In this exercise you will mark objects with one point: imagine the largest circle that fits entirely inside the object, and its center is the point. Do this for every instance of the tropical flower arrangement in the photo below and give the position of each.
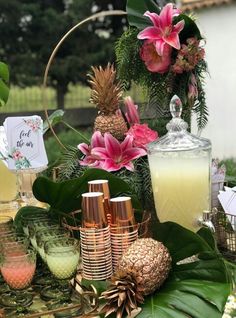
(162, 51)
(108, 153)
(200, 279)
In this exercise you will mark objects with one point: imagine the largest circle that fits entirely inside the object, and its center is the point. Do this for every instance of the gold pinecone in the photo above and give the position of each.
(105, 95)
(123, 295)
(151, 260)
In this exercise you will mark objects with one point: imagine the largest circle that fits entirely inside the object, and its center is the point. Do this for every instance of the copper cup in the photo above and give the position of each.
(122, 215)
(93, 213)
(102, 186)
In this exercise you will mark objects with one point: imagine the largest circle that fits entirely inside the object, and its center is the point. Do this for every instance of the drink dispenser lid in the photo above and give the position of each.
(177, 137)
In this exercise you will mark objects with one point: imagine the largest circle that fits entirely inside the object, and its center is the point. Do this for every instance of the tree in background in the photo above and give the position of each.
(29, 30)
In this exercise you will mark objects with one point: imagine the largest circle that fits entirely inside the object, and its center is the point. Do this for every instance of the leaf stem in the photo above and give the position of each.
(75, 130)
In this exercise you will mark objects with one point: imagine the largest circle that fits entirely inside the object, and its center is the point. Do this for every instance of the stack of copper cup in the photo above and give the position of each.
(102, 186)
(123, 227)
(95, 238)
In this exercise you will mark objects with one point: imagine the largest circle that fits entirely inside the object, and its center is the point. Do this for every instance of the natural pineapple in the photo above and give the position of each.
(151, 261)
(106, 94)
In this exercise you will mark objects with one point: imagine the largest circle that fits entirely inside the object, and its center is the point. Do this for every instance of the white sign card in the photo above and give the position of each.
(25, 143)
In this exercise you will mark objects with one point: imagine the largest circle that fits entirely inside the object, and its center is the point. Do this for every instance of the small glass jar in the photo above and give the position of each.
(180, 165)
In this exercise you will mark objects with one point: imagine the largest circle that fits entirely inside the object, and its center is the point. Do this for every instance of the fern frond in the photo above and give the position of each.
(69, 164)
(200, 108)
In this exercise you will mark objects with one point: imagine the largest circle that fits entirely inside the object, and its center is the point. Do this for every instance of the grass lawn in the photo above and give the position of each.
(31, 98)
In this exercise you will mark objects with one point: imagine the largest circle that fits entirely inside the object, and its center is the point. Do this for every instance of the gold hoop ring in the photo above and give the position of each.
(45, 77)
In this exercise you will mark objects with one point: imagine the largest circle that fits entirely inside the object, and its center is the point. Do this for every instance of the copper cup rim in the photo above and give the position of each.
(95, 242)
(93, 277)
(95, 235)
(99, 258)
(96, 253)
(93, 246)
(120, 236)
(114, 227)
(101, 272)
(94, 230)
(105, 260)
(123, 238)
(92, 194)
(120, 199)
(96, 250)
(99, 181)
(104, 264)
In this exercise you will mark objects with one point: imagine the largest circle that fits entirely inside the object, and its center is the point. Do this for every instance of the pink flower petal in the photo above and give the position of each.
(100, 153)
(166, 15)
(84, 148)
(129, 166)
(110, 165)
(152, 33)
(153, 17)
(113, 147)
(160, 46)
(97, 139)
(173, 40)
(178, 27)
(127, 143)
(133, 153)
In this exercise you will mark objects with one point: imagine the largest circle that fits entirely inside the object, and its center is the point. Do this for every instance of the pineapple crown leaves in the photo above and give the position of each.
(106, 89)
(123, 294)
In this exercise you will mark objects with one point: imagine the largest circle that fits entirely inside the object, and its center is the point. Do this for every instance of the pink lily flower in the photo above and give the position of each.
(163, 32)
(118, 155)
(97, 140)
(131, 114)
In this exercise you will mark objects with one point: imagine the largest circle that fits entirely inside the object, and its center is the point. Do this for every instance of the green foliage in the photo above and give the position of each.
(69, 138)
(190, 28)
(160, 87)
(230, 165)
(136, 9)
(200, 107)
(68, 164)
(130, 67)
(65, 196)
(195, 289)
(31, 29)
(4, 83)
(54, 118)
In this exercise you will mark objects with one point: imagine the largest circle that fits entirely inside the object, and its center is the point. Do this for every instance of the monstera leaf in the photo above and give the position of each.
(65, 196)
(135, 10)
(197, 289)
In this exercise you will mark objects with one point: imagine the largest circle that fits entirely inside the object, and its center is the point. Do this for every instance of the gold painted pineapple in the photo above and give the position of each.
(105, 95)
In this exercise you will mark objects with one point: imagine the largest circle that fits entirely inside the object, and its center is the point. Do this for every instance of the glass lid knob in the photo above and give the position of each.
(177, 124)
(176, 107)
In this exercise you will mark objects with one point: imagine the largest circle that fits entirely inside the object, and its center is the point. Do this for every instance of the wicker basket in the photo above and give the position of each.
(225, 234)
